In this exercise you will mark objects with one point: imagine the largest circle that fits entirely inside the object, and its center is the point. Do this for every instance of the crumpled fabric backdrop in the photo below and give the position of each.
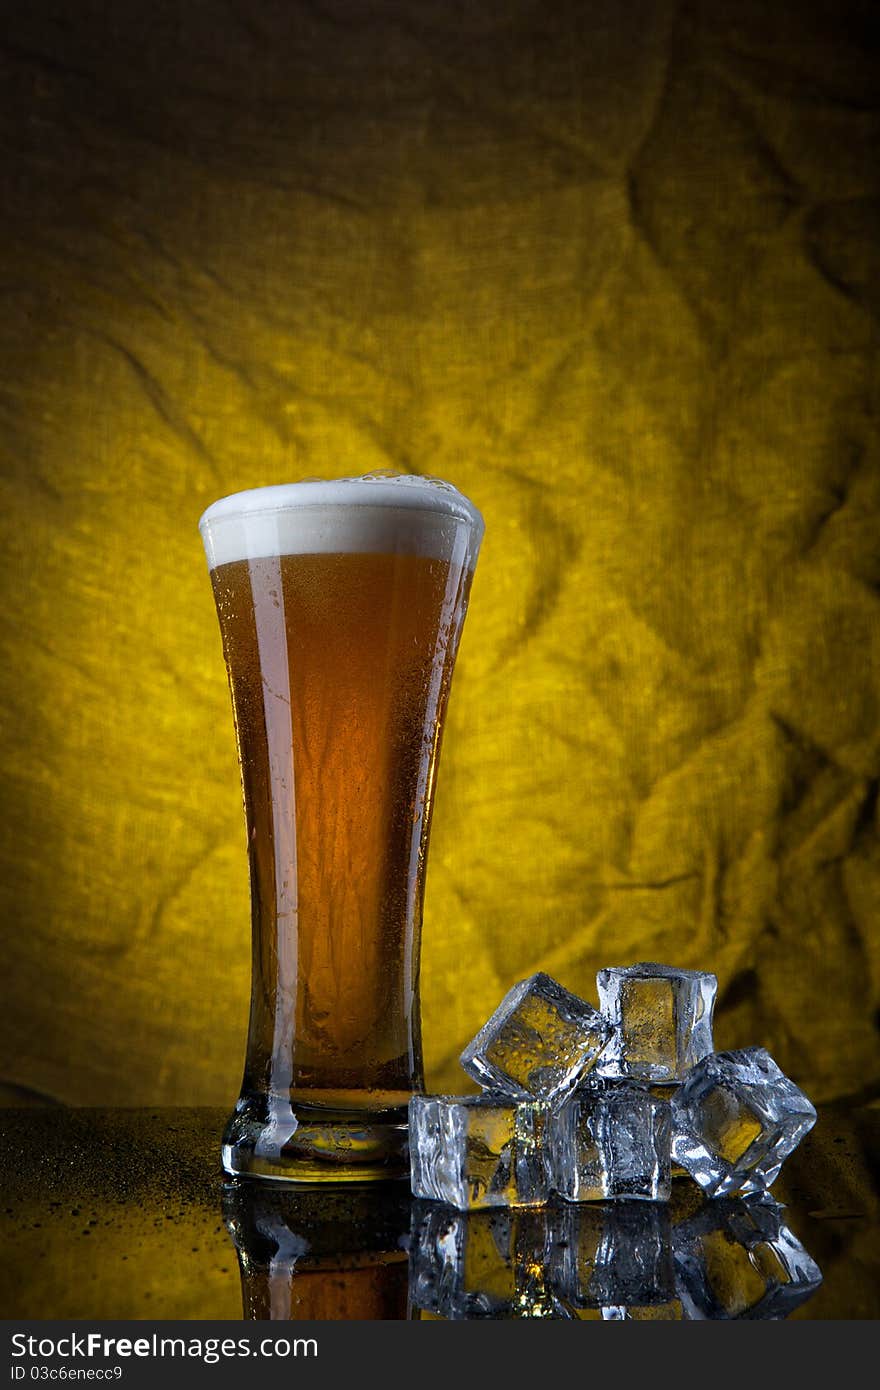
(613, 270)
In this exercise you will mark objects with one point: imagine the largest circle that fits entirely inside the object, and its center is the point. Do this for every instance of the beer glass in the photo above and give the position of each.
(340, 606)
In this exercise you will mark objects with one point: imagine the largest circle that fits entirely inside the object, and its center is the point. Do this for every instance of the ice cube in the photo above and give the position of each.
(738, 1259)
(611, 1140)
(615, 1254)
(540, 1041)
(480, 1264)
(477, 1151)
(662, 1019)
(735, 1119)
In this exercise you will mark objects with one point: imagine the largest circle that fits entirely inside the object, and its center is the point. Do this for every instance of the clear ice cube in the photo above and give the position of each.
(738, 1259)
(615, 1254)
(540, 1041)
(480, 1264)
(477, 1151)
(662, 1020)
(611, 1140)
(735, 1120)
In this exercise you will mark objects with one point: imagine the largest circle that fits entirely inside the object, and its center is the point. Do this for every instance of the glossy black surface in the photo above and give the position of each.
(122, 1214)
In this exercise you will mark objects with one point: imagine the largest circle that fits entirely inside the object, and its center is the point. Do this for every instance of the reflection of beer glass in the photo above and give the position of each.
(340, 607)
(319, 1253)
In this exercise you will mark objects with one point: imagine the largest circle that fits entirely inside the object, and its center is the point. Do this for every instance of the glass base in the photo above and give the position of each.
(311, 1145)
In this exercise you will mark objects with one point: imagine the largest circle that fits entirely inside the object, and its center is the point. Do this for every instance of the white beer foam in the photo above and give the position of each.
(375, 514)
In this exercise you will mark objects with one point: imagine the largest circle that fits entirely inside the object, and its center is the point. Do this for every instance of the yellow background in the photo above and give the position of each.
(612, 269)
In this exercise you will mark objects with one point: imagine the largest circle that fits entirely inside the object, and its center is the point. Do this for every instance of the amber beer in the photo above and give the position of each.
(340, 607)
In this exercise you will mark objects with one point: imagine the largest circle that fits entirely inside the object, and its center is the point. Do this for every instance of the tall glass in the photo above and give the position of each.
(341, 606)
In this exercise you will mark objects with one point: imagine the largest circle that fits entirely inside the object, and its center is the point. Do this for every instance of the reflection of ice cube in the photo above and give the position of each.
(735, 1120)
(738, 1259)
(611, 1140)
(481, 1264)
(662, 1019)
(655, 1312)
(615, 1254)
(539, 1042)
(477, 1151)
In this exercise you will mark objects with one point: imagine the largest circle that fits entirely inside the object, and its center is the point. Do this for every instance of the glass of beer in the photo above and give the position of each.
(341, 605)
